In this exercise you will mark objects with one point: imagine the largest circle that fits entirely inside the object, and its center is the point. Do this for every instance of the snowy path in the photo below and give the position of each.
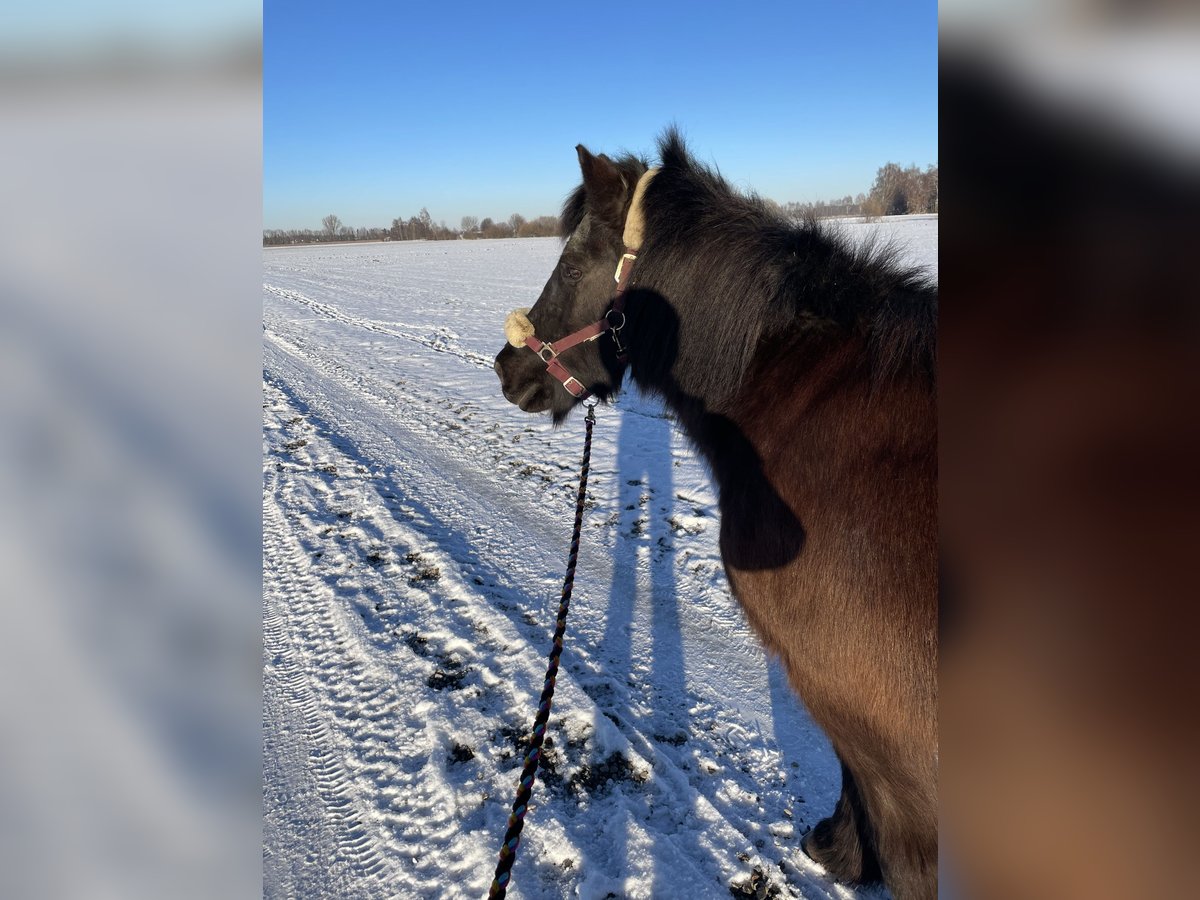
(415, 532)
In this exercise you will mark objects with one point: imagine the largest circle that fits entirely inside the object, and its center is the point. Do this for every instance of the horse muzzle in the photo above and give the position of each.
(523, 386)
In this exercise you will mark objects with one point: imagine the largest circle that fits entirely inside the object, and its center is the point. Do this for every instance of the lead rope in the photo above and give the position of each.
(516, 820)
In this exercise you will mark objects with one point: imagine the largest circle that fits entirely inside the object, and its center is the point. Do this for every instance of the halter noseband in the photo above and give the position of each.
(614, 319)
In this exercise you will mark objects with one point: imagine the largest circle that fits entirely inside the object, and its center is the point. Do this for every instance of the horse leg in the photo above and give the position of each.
(881, 828)
(903, 814)
(843, 842)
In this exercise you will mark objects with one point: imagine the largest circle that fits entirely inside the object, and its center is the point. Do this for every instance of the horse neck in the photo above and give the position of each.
(704, 319)
(688, 341)
(698, 334)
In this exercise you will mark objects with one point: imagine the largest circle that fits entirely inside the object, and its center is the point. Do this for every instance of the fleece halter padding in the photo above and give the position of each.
(635, 221)
(519, 331)
(517, 327)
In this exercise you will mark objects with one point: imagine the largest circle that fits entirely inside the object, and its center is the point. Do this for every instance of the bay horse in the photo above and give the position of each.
(802, 367)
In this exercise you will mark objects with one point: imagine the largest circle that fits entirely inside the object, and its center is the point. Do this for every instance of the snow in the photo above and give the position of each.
(415, 535)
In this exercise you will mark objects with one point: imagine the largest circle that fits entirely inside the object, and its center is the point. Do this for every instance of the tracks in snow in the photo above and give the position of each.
(438, 338)
(288, 579)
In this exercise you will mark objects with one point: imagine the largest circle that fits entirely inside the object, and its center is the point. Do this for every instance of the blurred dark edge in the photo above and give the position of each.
(130, 467)
(1070, 473)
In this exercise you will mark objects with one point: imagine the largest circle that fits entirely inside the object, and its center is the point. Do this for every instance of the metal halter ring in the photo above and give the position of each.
(546, 348)
(610, 322)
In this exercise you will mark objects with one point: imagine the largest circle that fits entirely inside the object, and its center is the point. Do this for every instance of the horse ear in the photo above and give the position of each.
(605, 186)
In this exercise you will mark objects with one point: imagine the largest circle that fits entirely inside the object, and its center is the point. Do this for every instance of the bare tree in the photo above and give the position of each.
(542, 226)
(470, 224)
(515, 221)
(426, 223)
(889, 193)
(332, 224)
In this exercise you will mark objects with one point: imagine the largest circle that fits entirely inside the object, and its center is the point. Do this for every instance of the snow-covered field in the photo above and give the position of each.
(415, 535)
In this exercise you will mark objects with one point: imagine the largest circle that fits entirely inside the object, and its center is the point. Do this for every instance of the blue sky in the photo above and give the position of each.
(373, 110)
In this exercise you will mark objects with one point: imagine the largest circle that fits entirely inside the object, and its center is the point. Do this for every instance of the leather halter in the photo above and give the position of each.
(613, 321)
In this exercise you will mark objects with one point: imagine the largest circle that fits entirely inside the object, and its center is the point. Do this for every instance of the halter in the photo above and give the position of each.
(614, 319)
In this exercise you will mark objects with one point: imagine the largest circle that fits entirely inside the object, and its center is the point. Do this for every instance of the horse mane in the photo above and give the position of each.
(746, 274)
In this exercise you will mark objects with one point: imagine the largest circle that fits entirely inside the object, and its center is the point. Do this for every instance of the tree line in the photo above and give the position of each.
(420, 227)
(896, 191)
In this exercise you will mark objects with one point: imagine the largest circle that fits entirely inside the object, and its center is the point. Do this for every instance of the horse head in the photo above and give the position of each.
(567, 346)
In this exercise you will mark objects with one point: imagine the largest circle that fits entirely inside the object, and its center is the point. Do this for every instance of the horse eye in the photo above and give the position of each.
(571, 273)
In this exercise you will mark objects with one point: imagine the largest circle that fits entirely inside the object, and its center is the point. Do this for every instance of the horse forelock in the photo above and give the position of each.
(573, 211)
(579, 235)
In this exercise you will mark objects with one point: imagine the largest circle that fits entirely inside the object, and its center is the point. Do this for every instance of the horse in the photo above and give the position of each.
(802, 367)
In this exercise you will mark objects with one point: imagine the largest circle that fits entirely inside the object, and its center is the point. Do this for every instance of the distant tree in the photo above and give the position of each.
(470, 225)
(332, 224)
(515, 221)
(889, 193)
(542, 226)
(930, 179)
(426, 222)
(915, 190)
(490, 228)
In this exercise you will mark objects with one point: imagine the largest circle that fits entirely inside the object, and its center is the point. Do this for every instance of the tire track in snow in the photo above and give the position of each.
(438, 338)
(289, 577)
(374, 714)
(451, 431)
(428, 834)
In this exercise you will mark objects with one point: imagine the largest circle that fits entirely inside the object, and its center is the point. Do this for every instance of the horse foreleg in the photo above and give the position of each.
(843, 843)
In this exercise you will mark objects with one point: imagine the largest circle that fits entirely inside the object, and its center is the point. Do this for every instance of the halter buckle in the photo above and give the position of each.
(622, 266)
(544, 349)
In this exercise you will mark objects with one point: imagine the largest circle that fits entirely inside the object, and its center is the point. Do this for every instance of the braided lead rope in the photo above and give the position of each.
(516, 820)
